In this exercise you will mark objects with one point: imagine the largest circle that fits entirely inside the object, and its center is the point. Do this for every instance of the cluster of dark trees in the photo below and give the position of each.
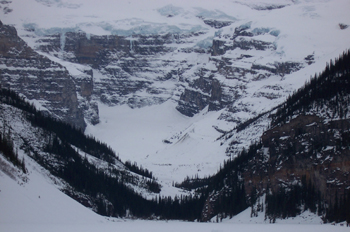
(192, 183)
(6, 143)
(339, 210)
(139, 170)
(331, 89)
(54, 127)
(180, 208)
(8, 151)
(111, 194)
(233, 198)
(290, 200)
(227, 187)
(73, 136)
(106, 189)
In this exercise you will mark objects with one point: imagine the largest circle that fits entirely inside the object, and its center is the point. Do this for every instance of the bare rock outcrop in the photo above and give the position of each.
(38, 78)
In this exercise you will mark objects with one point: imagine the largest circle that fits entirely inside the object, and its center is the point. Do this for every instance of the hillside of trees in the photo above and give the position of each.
(327, 95)
(106, 189)
(8, 151)
(330, 88)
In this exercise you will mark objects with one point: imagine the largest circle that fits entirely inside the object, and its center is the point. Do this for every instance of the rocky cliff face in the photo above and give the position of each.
(141, 69)
(126, 70)
(235, 71)
(204, 91)
(38, 78)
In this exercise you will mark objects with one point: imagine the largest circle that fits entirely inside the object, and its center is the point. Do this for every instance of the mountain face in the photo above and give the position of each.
(118, 65)
(236, 60)
(38, 78)
(221, 70)
(137, 70)
(302, 161)
(218, 60)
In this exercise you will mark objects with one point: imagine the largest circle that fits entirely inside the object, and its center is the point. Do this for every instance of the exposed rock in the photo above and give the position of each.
(191, 102)
(38, 78)
(343, 26)
(268, 7)
(99, 51)
(310, 59)
(204, 91)
(217, 24)
(86, 50)
(141, 70)
(250, 44)
(4, 6)
(285, 68)
(218, 48)
(124, 67)
(215, 101)
(227, 68)
(280, 69)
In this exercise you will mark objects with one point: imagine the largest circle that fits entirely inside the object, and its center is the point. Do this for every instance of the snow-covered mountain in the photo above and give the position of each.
(220, 63)
(162, 82)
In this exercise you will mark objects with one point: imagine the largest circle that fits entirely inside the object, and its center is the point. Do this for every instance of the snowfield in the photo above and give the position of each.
(162, 140)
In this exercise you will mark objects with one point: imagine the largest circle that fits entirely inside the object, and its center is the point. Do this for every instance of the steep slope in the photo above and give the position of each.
(302, 162)
(38, 78)
(81, 167)
(33, 199)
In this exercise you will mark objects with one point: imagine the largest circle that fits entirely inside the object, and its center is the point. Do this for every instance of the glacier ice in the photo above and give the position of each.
(170, 10)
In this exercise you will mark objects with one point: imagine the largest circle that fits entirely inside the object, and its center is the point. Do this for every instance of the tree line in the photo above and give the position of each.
(8, 151)
(106, 188)
(330, 88)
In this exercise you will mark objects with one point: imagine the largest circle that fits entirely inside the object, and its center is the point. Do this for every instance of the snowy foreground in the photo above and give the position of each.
(169, 227)
(33, 203)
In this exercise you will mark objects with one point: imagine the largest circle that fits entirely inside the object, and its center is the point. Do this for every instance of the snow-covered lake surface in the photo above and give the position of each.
(38, 206)
(172, 226)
